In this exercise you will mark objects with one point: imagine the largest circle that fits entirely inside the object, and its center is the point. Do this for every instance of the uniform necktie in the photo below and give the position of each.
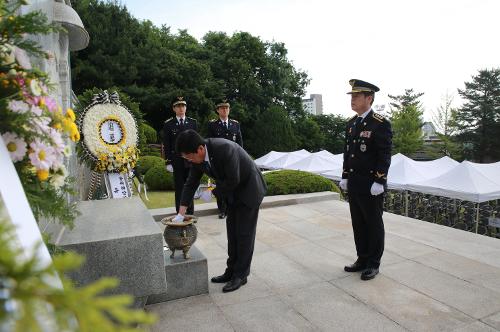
(181, 120)
(357, 124)
(225, 124)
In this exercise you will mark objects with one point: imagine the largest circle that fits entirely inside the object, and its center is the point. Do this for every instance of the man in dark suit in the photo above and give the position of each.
(228, 129)
(367, 157)
(171, 129)
(241, 182)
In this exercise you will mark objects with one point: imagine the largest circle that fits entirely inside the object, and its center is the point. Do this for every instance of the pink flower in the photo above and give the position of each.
(15, 145)
(51, 104)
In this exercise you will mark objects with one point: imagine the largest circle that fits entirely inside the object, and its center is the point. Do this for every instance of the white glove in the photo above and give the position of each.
(343, 184)
(206, 195)
(170, 168)
(178, 219)
(376, 189)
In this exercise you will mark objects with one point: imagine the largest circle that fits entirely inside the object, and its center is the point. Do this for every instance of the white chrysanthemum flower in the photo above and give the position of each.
(41, 125)
(57, 180)
(15, 145)
(37, 110)
(42, 156)
(35, 88)
(18, 106)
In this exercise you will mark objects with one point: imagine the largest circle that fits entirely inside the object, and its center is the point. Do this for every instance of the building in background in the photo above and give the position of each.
(313, 105)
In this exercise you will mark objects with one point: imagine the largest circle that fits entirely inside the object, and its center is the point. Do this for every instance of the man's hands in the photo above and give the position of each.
(343, 184)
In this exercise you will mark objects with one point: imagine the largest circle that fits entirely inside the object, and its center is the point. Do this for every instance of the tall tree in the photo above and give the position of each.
(407, 130)
(273, 131)
(442, 120)
(333, 129)
(409, 98)
(478, 120)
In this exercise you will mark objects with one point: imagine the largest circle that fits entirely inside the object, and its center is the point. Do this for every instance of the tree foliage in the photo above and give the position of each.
(407, 130)
(153, 65)
(478, 120)
(332, 127)
(409, 98)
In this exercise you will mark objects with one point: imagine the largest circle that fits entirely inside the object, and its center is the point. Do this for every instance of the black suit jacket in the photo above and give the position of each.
(367, 152)
(232, 133)
(237, 177)
(171, 130)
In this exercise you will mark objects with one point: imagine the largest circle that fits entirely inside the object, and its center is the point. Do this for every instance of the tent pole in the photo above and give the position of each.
(477, 216)
(406, 203)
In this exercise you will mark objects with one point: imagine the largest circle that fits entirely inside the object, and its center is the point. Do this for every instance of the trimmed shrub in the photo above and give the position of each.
(146, 162)
(158, 178)
(149, 133)
(296, 182)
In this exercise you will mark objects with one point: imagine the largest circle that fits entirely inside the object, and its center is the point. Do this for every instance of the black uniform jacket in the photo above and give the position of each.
(232, 133)
(367, 152)
(171, 129)
(238, 178)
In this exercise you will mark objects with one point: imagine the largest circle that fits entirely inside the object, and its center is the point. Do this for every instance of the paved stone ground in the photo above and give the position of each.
(432, 278)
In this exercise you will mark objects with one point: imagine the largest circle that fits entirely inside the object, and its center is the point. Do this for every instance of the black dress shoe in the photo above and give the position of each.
(222, 215)
(221, 279)
(356, 267)
(234, 284)
(369, 273)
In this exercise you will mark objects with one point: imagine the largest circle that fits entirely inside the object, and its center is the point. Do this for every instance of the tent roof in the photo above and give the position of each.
(313, 163)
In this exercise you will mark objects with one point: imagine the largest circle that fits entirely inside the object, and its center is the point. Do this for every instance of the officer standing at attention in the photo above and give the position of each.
(367, 157)
(229, 129)
(171, 129)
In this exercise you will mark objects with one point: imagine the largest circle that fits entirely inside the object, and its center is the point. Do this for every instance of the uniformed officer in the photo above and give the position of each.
(224, 127)
(171, 130)
(367, 157)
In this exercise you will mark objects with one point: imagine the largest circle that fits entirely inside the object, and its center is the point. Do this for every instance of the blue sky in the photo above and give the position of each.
(429, 45)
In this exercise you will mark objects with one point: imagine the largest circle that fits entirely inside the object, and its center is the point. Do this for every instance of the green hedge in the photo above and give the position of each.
(157, 178)
(149, 132)
(295, 182)
(146, 162)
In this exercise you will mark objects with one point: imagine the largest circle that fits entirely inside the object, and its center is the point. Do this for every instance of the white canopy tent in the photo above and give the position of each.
(267, 158)
(287, 159)
(466, 181)
(314, 163)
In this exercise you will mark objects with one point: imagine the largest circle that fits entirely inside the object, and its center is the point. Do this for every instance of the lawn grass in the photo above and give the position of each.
(162, 199)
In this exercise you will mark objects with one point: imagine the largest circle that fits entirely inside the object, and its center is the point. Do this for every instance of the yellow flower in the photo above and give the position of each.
(67, 125)
(70, 114)
(57, 126)
(42, 174)
(74, 134)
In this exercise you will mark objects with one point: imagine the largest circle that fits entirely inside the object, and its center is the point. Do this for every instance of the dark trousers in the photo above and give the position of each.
(221, 202)
(368, 227)
(181, 174)
(241, 224)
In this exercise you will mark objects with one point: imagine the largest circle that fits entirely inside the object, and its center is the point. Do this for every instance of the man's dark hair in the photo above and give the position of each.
(188, 142)
(371, 93)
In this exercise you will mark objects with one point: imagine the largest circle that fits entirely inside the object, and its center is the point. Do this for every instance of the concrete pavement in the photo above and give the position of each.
(432, 278)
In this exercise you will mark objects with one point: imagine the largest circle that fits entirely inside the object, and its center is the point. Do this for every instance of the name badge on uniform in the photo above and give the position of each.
(362, 147)
(365, 133)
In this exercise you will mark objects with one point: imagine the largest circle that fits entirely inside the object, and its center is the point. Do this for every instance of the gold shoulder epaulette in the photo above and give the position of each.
(213, 120)
(378, 117)
(233, 120)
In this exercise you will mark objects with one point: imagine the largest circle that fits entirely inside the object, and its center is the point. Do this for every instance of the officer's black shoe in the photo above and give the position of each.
(369, 273)
(356, 267)
(234, 284)
(221, 279)
(222, 215)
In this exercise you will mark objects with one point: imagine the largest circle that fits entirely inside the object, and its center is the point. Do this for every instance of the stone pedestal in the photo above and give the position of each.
(119, 238)
(185, 277)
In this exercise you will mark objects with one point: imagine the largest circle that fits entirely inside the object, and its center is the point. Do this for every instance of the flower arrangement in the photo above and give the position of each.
(121, 159)
(110, 135)
(34, 128)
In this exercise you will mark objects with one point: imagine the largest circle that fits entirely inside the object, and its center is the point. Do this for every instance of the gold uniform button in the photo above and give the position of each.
(352, 155)
(351, 170)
